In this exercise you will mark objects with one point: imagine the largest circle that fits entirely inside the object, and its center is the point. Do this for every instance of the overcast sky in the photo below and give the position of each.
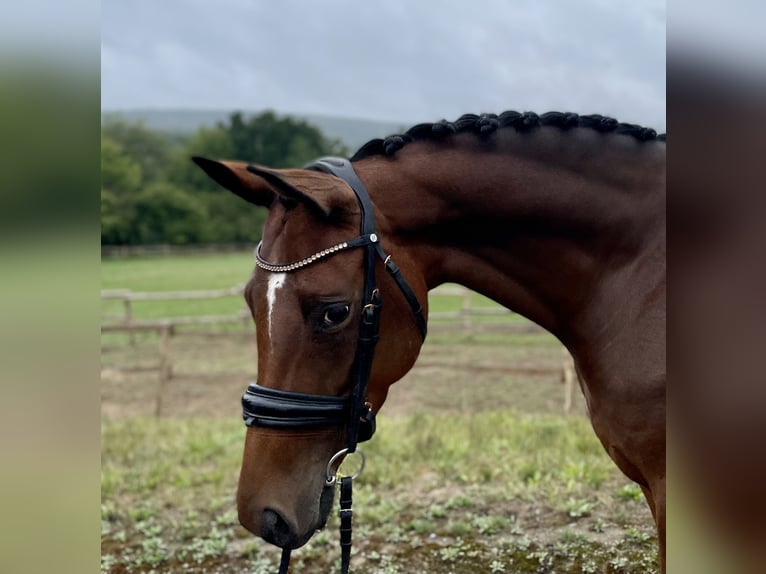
(396, 60)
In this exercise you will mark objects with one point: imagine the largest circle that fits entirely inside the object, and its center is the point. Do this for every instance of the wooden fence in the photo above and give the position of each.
(126, 322)
(462, 320)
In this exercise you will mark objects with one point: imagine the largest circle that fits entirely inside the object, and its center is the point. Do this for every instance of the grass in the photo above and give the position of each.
(176, 273)
(470, 491)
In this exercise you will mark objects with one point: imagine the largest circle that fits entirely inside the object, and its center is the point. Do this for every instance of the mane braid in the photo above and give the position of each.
(486, 124)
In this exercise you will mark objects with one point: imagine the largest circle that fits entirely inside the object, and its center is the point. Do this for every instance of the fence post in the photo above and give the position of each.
(129, 318)
(166, 369)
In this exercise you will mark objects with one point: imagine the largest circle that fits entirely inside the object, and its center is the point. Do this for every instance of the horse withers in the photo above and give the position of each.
(558, 217)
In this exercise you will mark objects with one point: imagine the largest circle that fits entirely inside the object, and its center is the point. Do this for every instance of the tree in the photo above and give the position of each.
(278, 142)
(148, 148)
(120, 181)
(167, 214)
(266, 139)
(119, 172)
(208, 142)
(151, 192)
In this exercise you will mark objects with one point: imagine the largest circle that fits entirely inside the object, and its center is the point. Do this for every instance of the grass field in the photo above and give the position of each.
(473, 468)
(177, 273)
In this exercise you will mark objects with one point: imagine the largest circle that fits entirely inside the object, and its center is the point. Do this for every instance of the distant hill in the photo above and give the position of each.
(352, 132)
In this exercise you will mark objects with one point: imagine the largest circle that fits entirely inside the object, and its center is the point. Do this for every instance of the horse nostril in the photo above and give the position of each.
(276, 530)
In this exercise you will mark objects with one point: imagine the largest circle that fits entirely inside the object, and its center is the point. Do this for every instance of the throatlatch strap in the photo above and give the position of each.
(409, 294)
(346, 512)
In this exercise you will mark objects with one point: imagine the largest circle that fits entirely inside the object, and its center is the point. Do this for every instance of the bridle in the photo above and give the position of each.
(288, 410)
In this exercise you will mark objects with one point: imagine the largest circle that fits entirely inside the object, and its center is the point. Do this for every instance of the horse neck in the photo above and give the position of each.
(543, 228)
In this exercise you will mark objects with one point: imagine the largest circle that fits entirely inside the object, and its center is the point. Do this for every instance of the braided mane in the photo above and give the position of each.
(485, 124)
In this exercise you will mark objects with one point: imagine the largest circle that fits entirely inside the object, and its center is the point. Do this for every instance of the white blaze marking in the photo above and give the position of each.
(276, 280)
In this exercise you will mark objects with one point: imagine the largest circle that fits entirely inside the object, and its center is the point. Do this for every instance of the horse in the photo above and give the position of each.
(559, 217)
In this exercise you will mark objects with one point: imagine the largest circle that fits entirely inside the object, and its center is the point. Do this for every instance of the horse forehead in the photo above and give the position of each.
(288, 232)
(274, 293)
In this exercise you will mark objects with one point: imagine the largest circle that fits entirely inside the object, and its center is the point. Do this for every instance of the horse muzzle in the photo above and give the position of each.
(277, 528)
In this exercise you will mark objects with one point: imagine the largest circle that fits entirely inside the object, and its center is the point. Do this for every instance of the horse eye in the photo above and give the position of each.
(335, 315)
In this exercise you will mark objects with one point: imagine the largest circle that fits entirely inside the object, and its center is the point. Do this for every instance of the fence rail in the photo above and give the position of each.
(461, 320)
(126, 322)
(128, 295)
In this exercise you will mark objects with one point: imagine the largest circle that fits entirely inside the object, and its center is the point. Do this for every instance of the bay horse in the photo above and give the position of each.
(559, 217)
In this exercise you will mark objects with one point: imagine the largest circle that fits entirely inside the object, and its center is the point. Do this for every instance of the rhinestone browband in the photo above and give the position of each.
(316, 257)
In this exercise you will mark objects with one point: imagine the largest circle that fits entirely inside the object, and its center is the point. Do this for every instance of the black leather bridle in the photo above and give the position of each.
(288, 410)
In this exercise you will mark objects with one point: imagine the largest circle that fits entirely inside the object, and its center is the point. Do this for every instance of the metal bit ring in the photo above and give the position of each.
(331, 477)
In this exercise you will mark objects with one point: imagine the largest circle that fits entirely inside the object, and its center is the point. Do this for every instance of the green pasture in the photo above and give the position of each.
(193, 272)
(500, 492)
(176, 272)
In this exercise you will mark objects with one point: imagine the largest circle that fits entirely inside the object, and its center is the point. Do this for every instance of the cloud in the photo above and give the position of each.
(395, 60)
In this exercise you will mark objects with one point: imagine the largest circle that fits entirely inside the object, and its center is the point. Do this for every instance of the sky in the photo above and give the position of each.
(405, 61)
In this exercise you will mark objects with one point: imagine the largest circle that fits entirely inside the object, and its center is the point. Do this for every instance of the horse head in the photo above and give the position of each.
(307, 315)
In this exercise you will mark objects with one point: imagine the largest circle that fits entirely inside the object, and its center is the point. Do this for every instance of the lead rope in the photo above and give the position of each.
(345, 513)
(284, 562)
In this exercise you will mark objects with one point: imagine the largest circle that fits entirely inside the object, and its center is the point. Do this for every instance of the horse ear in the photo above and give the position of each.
(323, 194)
(233, 175)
